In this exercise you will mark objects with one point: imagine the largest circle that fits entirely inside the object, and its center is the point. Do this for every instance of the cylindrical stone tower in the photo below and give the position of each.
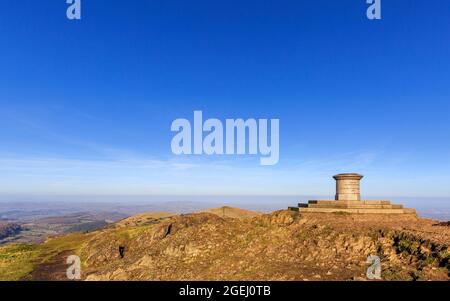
(347, 187)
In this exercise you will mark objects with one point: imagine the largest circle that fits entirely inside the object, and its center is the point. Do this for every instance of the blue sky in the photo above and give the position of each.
(86, 106)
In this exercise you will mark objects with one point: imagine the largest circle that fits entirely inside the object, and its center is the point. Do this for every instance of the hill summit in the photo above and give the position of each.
(242, 245)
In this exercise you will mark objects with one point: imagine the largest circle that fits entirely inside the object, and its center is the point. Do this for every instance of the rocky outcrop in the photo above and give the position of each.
(283, 245)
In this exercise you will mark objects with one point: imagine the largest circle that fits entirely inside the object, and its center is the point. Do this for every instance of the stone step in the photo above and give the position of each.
(366, 202)
(396, 206)
(354, 210)
(355, 206)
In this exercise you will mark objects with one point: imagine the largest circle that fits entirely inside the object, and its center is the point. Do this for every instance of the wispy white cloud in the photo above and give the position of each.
(125, 172)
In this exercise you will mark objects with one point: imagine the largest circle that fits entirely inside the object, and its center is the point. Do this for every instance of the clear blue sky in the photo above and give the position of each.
(86, 106)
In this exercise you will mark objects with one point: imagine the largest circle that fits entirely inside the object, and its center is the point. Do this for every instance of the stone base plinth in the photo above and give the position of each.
(375, 207)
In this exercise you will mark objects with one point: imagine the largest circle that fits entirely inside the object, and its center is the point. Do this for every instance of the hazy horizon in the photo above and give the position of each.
(283, 200)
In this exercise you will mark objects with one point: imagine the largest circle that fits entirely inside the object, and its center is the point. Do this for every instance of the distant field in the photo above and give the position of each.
(9, 229)
(36, 231)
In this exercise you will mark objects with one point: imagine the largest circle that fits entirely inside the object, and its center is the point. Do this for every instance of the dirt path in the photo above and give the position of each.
(54, 270)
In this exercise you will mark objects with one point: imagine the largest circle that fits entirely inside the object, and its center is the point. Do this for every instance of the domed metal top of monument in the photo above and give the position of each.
(342, 176)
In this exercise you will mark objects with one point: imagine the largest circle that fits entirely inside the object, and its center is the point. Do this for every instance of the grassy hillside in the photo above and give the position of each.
(17, 261)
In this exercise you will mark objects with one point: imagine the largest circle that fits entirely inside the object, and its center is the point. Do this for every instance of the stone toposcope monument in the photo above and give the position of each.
(348, 199)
